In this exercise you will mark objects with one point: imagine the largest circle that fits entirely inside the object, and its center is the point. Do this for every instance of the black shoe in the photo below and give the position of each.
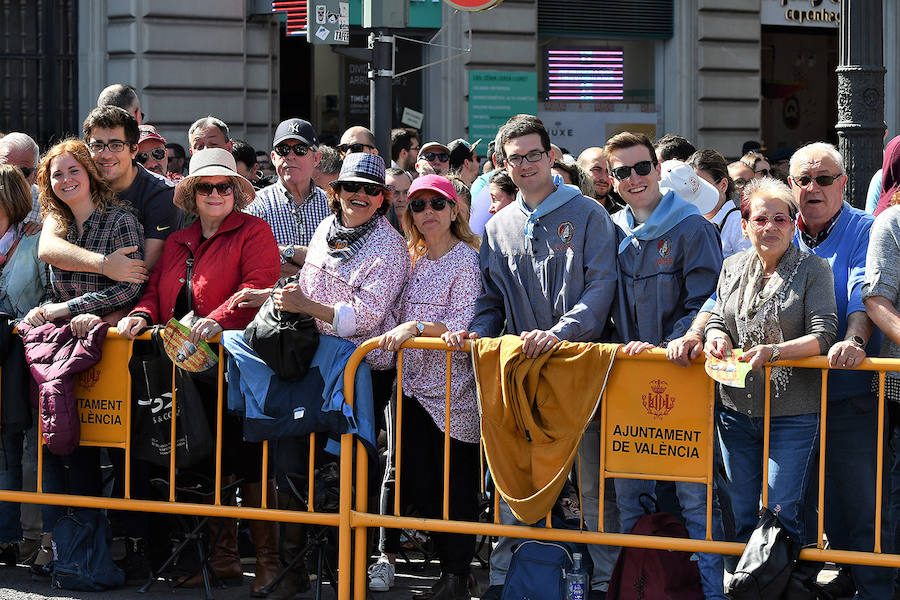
(842, 586)
(493, 593)
(9, 554)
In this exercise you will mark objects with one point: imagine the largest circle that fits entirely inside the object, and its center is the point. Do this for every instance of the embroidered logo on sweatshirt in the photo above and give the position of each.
(566, 232)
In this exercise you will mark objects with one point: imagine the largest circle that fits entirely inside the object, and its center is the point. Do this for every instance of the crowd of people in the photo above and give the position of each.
(649, 245)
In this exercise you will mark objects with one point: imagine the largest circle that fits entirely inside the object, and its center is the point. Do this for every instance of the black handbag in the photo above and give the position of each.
(765, 567)
(151, 397)
(285, 341)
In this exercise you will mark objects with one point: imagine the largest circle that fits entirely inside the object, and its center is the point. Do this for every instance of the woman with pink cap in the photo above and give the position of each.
(439, 296)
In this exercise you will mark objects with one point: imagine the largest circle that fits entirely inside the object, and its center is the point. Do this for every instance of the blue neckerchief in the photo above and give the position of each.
(671, 210)
(557, 198)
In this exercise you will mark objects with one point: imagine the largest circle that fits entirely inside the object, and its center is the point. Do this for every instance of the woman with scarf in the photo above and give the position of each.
(774, 303)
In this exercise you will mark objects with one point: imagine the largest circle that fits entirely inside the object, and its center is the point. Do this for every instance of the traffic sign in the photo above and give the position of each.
(473, 5)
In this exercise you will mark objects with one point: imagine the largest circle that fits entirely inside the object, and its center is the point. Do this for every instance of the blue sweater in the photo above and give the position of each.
(845, 250)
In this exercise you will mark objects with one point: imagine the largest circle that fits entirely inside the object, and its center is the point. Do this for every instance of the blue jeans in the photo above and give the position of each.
(692, 497)
(850, 457)
(792, 451)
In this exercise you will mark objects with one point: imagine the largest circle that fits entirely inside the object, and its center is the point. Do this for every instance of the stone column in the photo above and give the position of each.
(860, 74)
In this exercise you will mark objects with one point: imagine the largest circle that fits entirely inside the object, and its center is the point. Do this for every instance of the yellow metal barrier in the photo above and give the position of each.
(644, 388)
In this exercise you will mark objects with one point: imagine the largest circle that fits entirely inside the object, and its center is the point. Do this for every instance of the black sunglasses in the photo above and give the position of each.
(821, 180)
(206, 189)
(431, 156)
(26, 171)
(156, 153)
(298, 149)
(356, 147)
(371, 189)
(642, 168)
(763, 172)
(437, 203)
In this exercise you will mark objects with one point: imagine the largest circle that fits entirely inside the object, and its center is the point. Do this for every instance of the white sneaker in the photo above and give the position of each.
(381, 575)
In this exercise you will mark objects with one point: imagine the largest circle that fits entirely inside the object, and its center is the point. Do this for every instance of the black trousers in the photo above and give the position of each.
(422, 482)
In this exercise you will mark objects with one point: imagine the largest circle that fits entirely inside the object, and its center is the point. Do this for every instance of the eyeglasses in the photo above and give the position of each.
(821, 180)
(114, 146)
(780, 220)
(26, 171)
(298, 149)
(516, 160)
(156, 153)
(206, 189)
(763, 172)
(371, 189)
(355, 147)
(642, 168)
(741, 182)
(414, 150)
(438, 203)
(432, 156)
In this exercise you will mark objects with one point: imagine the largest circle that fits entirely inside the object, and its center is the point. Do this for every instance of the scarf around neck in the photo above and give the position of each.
(345, 242)
(670, 211)
(559, 197)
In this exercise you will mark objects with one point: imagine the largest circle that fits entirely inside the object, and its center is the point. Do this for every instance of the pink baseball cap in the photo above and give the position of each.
(435, 183)
(148, 132)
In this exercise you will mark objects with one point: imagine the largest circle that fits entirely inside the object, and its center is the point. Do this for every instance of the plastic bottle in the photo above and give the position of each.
(576, 580)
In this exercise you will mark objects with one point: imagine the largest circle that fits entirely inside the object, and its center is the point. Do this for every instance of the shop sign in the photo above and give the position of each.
(801, 13)
(656, 421)
(495, 96)
(102, 395)
(473, 5)
(329, 22)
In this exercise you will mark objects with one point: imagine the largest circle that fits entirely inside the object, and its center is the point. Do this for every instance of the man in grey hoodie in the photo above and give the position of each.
(548, 265)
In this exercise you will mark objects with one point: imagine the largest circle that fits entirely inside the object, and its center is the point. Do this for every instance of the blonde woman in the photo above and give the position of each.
(439, 296)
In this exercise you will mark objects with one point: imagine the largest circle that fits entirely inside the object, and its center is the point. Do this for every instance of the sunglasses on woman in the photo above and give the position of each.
(371, 189)
(779, 220)
(438, 203)
(206, 189)
(156, 153)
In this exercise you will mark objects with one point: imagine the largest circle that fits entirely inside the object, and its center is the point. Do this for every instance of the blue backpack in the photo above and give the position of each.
(537, 570)
(81, 558)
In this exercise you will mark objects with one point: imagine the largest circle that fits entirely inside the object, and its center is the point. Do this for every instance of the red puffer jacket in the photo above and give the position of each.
(54, 357)
(241, 254)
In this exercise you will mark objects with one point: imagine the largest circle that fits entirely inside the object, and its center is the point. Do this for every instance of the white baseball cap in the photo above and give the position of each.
(684, 181)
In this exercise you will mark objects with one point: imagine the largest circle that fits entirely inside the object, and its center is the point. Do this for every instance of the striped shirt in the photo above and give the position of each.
(293, 224)
(92, 293)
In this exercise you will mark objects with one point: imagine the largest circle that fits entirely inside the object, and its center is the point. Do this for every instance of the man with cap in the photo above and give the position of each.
(357, 139)
(463, 161)
(152, 151)
(433, 159)
(293, 206)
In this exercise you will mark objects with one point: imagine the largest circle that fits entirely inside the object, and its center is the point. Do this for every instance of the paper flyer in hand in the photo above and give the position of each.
(188, 356)
(728, 371)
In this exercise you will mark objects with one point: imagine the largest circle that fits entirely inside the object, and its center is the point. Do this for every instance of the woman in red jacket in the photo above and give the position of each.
(227, 251)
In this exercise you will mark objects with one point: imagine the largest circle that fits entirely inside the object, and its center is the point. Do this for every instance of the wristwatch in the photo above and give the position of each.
(776, 354)
(858, 341)
(288, 254)
(420, 328)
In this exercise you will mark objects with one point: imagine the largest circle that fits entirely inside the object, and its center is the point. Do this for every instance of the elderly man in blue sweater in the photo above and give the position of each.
(669, 260)
(829, 227)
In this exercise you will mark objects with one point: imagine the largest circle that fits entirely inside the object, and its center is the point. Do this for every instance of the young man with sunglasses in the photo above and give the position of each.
(832, 229)
(548, 264)
(293, 206)
(669, 260)
(112, 136)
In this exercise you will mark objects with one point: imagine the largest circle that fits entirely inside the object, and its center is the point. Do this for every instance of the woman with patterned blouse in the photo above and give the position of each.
(440, 296)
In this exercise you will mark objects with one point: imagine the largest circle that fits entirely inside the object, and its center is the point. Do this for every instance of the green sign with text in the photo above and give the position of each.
(425, 14)
(495, 96)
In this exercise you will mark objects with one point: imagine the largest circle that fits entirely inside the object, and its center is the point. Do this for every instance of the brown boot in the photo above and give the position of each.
(225, 561)
(265, 539)
(293, 540)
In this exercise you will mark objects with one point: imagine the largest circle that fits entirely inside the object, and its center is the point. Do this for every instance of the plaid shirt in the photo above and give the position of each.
(293, 224)
(812, 241)
(91, 293)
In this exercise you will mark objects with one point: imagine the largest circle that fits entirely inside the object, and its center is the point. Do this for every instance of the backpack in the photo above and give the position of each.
(537, 570)
(648, 574)
(81, 558)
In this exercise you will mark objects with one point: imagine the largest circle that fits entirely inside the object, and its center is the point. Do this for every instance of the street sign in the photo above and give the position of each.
(473, 5)
(329, 22)
(495, 96)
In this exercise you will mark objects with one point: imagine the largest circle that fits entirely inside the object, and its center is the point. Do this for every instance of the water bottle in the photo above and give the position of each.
(576, 580)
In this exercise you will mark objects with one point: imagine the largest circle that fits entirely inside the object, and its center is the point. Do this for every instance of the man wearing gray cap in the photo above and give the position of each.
(293, 206)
